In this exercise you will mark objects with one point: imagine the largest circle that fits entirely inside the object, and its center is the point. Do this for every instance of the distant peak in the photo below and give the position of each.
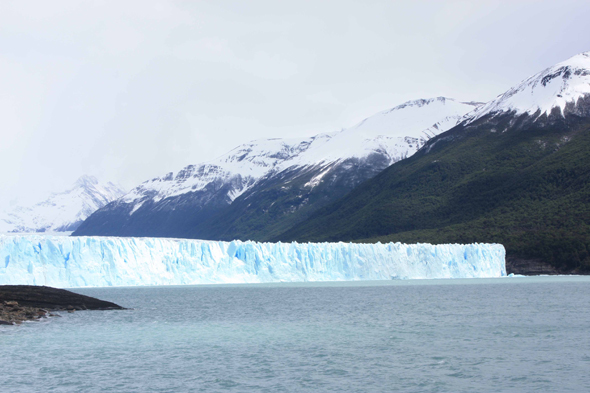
(421, 102)
(555, 87)
(584, 57)
(86, 180)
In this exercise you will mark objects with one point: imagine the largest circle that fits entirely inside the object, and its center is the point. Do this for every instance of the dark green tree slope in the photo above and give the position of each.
(280, 201)
(520, 181)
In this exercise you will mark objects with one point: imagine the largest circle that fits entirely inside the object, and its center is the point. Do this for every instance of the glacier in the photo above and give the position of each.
(112, 261)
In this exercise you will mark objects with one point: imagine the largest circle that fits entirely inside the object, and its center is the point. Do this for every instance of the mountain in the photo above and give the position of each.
(266, 186)
(514, 171)
(61, 212)
(556, 90)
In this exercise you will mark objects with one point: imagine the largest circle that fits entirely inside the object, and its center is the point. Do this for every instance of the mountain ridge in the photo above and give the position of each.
(192, 202)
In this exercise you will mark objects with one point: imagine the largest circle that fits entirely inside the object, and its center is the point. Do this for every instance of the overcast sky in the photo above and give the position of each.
(129, 90)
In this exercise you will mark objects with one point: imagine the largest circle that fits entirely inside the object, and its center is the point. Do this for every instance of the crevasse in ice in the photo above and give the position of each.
(111, 261)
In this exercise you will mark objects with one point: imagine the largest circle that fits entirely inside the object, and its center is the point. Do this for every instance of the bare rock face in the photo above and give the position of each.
(20, 303)
(530, 267)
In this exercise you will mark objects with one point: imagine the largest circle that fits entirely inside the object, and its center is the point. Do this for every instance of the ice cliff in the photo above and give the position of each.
(112, 261)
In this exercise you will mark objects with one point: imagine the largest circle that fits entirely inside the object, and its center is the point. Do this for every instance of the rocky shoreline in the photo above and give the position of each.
(533, 267)
(19, 303)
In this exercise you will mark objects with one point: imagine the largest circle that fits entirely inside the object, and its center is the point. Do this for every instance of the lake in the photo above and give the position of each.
(513, 334)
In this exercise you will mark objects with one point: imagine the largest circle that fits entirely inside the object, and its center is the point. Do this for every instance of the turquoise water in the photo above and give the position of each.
(479, 335)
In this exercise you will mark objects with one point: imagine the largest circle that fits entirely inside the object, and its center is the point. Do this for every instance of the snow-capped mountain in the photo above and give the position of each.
(61, 212)
(514, 172)
(396, 133)
(557, 88)
(177, 203)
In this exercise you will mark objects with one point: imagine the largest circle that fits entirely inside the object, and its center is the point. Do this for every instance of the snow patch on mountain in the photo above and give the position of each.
(554, 87)
(61, 212)
(397, 133)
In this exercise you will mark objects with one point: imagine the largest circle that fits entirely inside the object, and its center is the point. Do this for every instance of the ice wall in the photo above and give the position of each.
(111, 261)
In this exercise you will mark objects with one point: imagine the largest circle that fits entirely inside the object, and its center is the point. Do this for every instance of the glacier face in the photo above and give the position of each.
(111, 261)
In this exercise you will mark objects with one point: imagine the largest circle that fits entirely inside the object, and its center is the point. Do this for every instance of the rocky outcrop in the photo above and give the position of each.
(530, 267)
(20, 303)
(13, 313)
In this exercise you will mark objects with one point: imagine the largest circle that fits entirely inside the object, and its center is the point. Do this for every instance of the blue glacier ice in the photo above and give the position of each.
(111, 261)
